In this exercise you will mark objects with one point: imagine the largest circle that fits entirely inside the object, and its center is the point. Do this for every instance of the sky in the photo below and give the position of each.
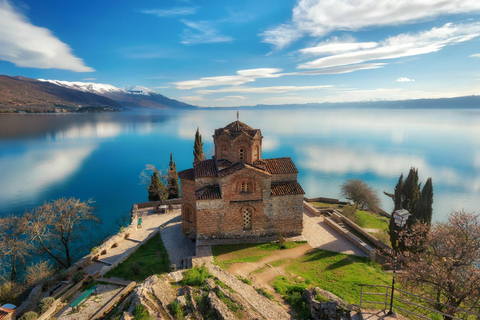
(236, 53)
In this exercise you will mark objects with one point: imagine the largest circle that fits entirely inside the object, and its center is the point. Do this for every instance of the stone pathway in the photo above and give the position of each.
(177, 246)
(320, 235)
(150, 223)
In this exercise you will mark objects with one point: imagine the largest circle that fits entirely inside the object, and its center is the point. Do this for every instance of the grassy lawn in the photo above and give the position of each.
(336, 272)
(247, 252)
(366, 219)
(151, 258)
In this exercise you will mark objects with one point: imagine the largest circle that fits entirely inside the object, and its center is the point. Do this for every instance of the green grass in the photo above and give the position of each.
(248, 252)
(366, 219)
(338, 273)
(195, 276)
(151, 258)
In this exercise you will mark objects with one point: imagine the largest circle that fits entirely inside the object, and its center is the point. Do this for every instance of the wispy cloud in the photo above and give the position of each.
(404, 79)
(317, 18)
(335, 46)
(275, 89)
(242, 76)
(171, 12)
(403, 45)
(202, 32)
(27, 45)
(339, 70)
(476, 55)
(89, 79)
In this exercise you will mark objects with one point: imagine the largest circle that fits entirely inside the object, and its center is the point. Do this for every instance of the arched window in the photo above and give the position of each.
(246, 187)
(257, 153)
(247, 218)
(241, 154)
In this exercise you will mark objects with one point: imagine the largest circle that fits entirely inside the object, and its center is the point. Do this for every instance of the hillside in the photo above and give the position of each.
(31, 95)
(129, 97)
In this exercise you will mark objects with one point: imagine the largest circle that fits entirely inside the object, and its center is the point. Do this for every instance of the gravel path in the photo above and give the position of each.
(320, 235)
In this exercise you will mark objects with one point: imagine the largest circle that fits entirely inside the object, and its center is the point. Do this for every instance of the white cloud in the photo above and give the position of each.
(404, 79)
(26, 45)
(320, 17)
(339, 70)
(403, 45)
(275, 89)
(242, 76)
(281, 36)
(202, 32)
(335, 46)
(194, 98)
(171, 12)
(476, 55)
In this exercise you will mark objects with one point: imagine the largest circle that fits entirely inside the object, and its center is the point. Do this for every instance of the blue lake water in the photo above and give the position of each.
(100, 156)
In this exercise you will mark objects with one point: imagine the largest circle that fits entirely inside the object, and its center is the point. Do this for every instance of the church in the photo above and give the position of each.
(239, 194)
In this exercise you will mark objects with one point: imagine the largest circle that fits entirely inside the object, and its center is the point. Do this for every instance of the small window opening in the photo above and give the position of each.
(247, 218)
(246, 187)
(241, 154)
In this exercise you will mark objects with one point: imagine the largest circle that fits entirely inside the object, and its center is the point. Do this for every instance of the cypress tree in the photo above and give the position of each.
(156, 188)
(198, 147)
(173, 188)
(411, 190)
(424, 208)
(419, 204)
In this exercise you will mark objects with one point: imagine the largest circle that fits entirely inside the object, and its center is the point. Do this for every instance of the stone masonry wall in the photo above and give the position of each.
(287, 213)
(188, 198)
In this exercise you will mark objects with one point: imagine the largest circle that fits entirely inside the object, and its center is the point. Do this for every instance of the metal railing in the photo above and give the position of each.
(405, 296)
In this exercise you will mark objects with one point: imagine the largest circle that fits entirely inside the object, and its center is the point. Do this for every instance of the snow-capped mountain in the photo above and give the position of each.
(132, 96)
(98, 88)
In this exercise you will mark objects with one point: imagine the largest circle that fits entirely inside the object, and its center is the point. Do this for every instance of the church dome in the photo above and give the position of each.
(235, 128)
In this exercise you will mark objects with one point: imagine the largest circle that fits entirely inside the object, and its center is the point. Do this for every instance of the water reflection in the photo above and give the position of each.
(44, 157)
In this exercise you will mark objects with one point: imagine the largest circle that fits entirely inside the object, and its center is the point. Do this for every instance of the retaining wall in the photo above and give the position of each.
(352, 238)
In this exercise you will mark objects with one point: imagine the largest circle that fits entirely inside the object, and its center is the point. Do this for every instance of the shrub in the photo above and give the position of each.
(78, 276)
(45, 304)
(140, 312)
(196, 276)
(31, 315)
(176, 310)
(94, 251)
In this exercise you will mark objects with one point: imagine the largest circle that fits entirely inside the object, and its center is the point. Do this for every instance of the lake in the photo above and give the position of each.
(100, 156)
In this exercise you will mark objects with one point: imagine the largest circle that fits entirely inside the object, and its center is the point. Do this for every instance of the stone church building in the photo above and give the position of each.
(237, 193)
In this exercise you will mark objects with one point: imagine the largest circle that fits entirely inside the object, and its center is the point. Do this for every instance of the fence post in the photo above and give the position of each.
(361, 296)
(386, 297)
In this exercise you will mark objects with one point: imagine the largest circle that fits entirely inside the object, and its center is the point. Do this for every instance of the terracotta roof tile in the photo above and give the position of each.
(235, 128)
(205, 168)
(224, 163)
(238, 166)
(286, 188)
(188, 174)
(5, 313)
(280, 165)
(208, 193)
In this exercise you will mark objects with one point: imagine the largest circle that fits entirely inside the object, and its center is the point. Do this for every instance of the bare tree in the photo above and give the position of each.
(60, 228)
(361, 194)
(444, 261)
(16, 246)
(37, 272)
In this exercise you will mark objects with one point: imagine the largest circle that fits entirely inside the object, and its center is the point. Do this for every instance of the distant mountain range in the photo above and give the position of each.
(32, 95)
